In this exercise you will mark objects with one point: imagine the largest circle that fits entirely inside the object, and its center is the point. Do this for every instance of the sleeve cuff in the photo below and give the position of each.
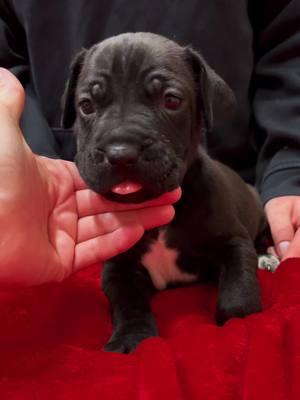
(280, 182)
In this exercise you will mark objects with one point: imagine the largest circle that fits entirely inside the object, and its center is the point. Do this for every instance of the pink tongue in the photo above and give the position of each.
(126, 188)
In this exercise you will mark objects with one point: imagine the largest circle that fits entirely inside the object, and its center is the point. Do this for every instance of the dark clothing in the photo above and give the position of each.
(254, 45)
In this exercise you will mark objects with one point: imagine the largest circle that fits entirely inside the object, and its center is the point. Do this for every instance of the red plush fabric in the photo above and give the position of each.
(51, 339)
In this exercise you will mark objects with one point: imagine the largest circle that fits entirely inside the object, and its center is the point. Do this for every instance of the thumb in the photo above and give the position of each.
(14, 151)
(12, 143)
(11, 95)
(279, 218)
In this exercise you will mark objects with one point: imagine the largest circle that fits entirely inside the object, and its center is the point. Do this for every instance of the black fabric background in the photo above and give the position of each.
(254, 46)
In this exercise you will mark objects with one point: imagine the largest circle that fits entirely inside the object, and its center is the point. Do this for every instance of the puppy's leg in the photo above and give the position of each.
(129, 289)
(238, 294)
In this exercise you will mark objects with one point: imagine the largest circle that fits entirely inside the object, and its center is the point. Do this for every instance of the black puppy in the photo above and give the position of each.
(139, 104)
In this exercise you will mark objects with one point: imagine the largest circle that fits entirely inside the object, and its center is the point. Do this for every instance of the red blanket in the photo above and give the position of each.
(51, 341)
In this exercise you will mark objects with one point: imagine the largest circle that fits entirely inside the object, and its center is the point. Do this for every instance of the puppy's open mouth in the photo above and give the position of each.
(131, 190)
(127, 187)
(127, 192)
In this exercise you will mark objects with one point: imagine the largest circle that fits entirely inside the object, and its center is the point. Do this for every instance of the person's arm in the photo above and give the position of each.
(13, 56)
(276, 111)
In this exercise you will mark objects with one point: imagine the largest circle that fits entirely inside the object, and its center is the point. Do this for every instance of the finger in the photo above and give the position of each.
(279, 218)
(295, 211)
(90, 203)
(271, 250)
(11, 94)
(79, 183)
(294, 247)
(97, 225)
(107, 246)
(15, 154)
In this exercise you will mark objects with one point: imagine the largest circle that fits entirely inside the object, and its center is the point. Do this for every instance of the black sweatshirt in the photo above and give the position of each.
(254, 45)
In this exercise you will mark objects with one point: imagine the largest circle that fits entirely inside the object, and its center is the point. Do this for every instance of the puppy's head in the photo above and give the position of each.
(138, 103)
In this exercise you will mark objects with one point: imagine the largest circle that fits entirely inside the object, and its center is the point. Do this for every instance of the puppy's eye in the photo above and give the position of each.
(172, 102)
(86, 107)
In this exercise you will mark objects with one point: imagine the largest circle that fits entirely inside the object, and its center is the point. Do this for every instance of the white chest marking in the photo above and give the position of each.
(160, 262)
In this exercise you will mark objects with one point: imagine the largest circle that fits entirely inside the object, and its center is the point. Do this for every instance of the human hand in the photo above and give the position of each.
(283, 214)
(51, 224)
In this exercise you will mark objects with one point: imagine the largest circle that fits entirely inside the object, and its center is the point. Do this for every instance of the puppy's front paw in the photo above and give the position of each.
(237, 307)
(126, 343)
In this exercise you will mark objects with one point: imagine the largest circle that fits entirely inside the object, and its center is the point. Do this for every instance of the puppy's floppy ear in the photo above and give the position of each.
(217, 100)
(68, 98)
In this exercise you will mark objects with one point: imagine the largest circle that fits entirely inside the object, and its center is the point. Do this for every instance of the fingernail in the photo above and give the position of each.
(283, 248)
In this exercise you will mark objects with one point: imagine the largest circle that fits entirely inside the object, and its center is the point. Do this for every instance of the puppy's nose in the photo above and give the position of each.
(121, 154)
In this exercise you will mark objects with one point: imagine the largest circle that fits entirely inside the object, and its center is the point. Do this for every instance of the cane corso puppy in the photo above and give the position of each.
(140, 106)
